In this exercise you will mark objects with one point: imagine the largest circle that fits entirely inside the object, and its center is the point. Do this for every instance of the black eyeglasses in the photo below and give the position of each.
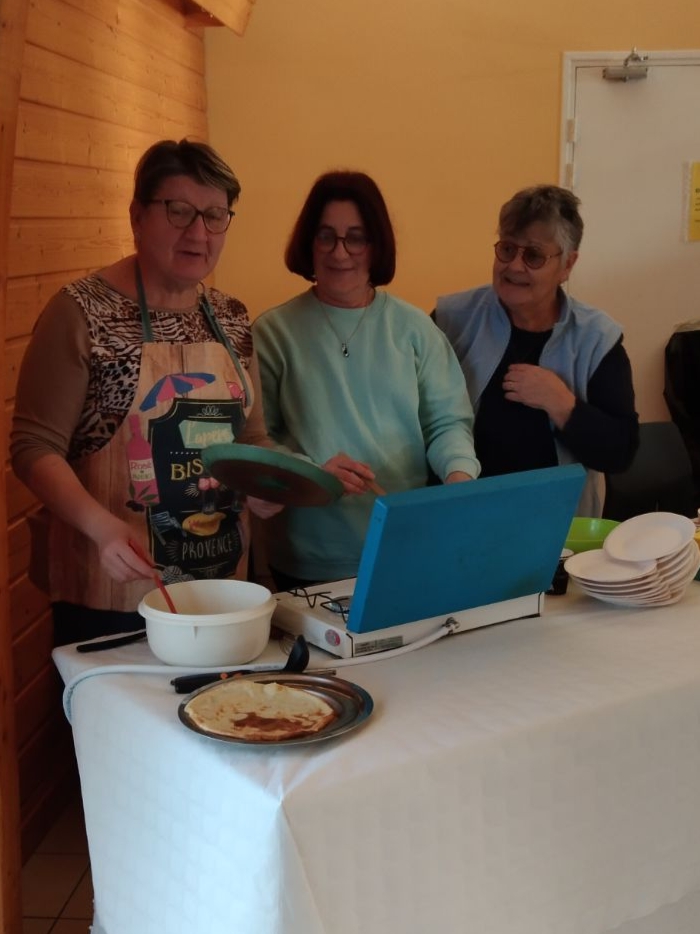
(182, 214)
(506, 251)
(354, 241)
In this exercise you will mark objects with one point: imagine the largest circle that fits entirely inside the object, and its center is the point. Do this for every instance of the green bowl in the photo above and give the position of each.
(586, 534)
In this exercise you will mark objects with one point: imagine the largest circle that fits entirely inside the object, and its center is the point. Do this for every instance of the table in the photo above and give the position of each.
(541, 776)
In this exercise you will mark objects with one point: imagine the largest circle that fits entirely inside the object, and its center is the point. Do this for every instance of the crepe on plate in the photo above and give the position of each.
(258, 711)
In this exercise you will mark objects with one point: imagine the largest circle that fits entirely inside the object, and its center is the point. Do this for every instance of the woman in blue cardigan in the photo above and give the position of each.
(548, 376)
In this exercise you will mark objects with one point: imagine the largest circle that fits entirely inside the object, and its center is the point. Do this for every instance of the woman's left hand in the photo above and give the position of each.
(263, 508)
(539, 388)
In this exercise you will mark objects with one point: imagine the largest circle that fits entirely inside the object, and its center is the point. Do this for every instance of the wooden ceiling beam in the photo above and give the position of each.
(234, 14)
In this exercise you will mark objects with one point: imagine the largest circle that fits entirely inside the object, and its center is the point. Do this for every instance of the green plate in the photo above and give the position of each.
(271, 475)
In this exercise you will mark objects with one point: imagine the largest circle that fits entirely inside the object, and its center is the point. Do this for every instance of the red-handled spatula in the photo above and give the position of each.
(156, 576)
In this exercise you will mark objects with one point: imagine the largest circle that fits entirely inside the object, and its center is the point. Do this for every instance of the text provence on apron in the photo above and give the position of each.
(150, 474)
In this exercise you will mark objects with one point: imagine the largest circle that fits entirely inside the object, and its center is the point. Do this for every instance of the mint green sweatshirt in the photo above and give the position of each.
(397, 402)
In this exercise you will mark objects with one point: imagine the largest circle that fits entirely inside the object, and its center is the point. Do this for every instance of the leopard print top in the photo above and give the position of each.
(116, 337)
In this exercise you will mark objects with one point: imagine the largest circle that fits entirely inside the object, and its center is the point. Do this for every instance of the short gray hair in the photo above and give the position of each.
(556, 207)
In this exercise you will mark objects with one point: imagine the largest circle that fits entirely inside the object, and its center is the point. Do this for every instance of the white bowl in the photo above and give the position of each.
(218, 623)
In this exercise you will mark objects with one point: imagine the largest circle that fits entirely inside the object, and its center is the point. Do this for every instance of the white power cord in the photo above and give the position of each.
(447, 628)
(124, 669)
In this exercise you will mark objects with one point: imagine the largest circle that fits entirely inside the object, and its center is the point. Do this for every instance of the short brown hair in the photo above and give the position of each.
(196, 160)
(344, 185)
(548, 204)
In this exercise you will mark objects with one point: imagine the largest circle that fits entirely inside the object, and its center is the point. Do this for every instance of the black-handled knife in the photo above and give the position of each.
(104, 644)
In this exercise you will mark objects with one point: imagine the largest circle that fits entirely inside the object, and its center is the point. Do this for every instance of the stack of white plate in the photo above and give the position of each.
(646, 561)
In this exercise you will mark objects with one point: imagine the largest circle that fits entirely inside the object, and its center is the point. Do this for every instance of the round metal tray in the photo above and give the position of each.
(352, 704)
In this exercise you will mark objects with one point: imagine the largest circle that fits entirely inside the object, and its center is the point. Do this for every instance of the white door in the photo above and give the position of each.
(627, 147)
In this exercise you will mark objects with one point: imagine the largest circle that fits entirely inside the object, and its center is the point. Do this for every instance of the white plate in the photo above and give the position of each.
(636, 583)
(597, 565)
(649, 536)
(669, 564)
(652, 581)
(619, 601)
(653, 590)
(683, 575)
(680, 571)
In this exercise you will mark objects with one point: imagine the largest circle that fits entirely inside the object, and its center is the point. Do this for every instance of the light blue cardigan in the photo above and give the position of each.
(479, 329)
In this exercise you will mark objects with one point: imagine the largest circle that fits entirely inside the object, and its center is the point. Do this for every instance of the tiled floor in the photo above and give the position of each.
(56, 884)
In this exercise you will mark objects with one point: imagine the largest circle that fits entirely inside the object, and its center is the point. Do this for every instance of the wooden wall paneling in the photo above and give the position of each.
(12, 359)
(39, 695)
(29, 606)
(74, 139)
(46, 744)
(27, 295)
(67, 31)
(18, 545)
(5, 419)
(55, 81)
(48, 189)
(19, 499)
(95, 91)
(44, 790)
(43, 734)
(31, 648)
(37, 246)
(13, 23)
(139, 18)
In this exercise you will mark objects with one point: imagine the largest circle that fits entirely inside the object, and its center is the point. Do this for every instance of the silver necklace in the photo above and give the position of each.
(344, 344)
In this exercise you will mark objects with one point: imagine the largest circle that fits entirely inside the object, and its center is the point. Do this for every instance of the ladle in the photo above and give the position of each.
(297, 662)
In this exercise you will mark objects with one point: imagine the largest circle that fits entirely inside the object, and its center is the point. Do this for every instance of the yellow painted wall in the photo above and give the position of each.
(450, 104)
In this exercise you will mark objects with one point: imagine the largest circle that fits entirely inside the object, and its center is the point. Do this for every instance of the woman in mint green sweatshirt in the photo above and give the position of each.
(355, 379)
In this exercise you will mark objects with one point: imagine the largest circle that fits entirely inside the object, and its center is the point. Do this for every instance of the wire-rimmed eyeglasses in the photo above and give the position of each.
(507, 250)
(182, 214)
(354, 241)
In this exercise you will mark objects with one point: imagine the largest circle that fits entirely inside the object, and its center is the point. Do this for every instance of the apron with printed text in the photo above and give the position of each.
(150, 475)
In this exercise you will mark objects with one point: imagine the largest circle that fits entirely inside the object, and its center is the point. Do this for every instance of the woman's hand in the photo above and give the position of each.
(262, 508)
(54, 482)
(355, 476)
(458, 476)
(117, 557)
(539, 388)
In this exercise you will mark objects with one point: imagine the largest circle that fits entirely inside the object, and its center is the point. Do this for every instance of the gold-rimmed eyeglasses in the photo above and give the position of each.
(507, 250)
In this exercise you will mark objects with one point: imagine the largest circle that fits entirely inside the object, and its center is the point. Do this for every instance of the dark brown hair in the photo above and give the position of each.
(196, 160)
(359, 188)
(556, 207)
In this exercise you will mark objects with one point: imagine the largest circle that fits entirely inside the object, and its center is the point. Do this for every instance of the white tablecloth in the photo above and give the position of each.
(537, 777)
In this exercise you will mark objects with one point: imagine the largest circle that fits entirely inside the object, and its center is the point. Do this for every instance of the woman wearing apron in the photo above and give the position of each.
(131, 371)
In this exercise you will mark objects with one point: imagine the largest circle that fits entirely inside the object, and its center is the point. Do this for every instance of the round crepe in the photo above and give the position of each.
(259, 712)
